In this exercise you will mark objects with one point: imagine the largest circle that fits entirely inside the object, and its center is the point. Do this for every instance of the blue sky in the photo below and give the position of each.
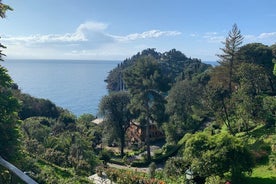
(118, 29)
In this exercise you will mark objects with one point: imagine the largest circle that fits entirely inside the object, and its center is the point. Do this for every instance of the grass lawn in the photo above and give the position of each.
(262, 175)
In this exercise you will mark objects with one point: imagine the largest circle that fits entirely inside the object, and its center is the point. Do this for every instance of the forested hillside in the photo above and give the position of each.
(216, 123)
(173, 64)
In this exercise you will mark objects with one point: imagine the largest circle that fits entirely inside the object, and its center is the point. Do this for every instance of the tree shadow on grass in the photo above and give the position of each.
(257, 180)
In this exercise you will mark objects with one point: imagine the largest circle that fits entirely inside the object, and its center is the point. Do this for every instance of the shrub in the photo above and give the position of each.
(55, 157)
(105, 156)
(175, 166)
(120, 176)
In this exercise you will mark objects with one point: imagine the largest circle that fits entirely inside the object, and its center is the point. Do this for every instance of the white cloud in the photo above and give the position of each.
(87, 32)
(35, 39)
(147, 34)
(267, 35)
(94, 26)
(265, 38)
(90, 39)
(213, 37)
(83, 33)
(193, 35)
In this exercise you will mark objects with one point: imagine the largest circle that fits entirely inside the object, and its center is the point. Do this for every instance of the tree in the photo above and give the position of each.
(8, 109)
(145, 84)
(252, 78)
(35, 107)
(173, 64)
(8, 112)
(269, 110)
(3, 9)
(273, 48)
(221, 84)
(262, 56)
(115, 80)
(8, 117)
(181, 101)
(228, 58)
(114, 108)
(218, 98)
(218, 154)
(175, 167)
(253, 83)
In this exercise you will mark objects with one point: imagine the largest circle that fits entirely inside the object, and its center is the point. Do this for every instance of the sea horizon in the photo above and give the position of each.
(75, 85)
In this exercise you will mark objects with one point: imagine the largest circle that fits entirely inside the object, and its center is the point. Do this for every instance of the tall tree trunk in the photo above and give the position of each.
(271, 84)
(147, 140)
(227, 120)
(122, 145)
(230, 75)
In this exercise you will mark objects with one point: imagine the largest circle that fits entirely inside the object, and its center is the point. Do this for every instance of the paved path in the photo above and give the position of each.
(24, 177)
(138, 169)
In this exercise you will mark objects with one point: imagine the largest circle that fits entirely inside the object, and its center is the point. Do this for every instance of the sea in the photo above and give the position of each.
(75, 85)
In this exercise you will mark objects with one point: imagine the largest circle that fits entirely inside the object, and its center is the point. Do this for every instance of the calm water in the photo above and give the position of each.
(74, 85)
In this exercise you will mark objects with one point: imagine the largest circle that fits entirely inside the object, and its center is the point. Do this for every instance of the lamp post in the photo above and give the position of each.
(189, 175)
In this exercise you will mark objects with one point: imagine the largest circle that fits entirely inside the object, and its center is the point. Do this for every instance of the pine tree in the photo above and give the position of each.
(144, 83)
(228, 58)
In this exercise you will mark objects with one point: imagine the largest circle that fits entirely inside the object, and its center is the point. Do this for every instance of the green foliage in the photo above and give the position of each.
(262, 56)
(260, 151)
(117, 116)
(9, 107)
(31, 106)
(9, 135)
(222, 82)
(152, 168)
(228, 58)
(46, 172)
(120, 176)
(269, 109)
(247, 101)
(175, 166)
(37, 128)
(261, 174)
(244, 109)
(182, 101)
(173, 64)
(8, 117)
(272, 156)
(55, 156)
(144, 83)
(59, 142)
(218, 154)
(161, 87)
(105, 156)
(3, 9)
(85, 120)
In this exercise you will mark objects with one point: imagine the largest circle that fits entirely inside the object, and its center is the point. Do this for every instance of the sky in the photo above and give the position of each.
(118, 29)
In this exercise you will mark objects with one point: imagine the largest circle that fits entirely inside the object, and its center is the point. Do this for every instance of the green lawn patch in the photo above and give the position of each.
(262, 175)
(264, 171)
